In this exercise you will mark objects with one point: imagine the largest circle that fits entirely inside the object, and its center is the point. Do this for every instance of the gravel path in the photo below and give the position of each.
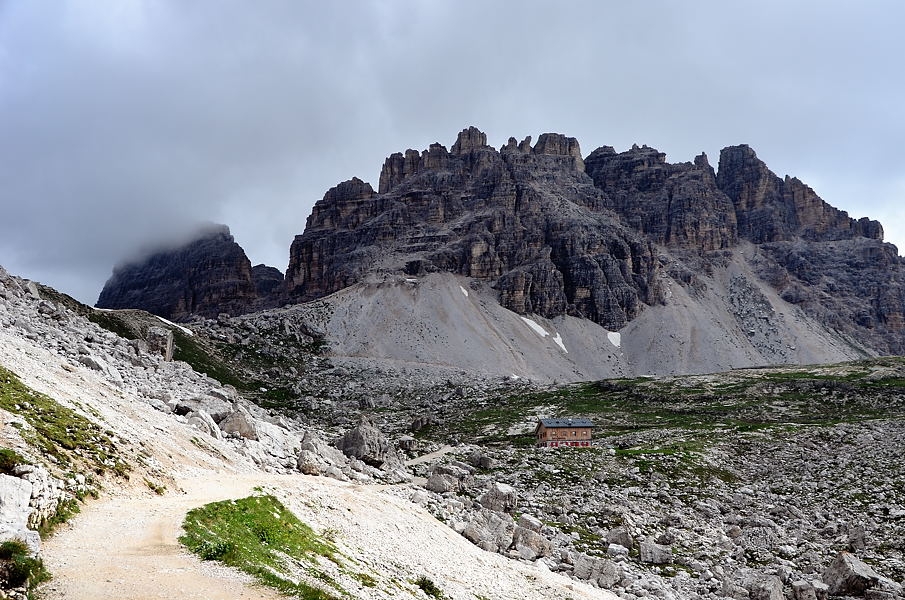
(126, 547)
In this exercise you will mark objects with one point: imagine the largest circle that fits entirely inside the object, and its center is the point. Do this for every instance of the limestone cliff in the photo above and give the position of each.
(528, 219)
(554, 233)
(205, 277)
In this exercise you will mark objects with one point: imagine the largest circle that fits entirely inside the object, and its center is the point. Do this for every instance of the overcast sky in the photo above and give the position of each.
(126, 122)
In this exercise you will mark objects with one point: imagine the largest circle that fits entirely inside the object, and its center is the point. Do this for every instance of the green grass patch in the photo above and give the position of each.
(429, 587)
(203, 360)
(58, 431)
(9, 460)
(18, 568)
(112, 322)
(157, 488)
(259, 536)
(66, 509)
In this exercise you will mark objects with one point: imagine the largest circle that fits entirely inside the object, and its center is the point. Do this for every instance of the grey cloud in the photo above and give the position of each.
(121, 127)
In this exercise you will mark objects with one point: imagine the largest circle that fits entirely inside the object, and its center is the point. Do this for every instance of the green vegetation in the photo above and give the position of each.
(9, 460)
(203, 360)
(66, 509)
(261, 537)
(18, 568)
(157, 488)
(365, 579)
(429, 587)
(747, 400)
(58, 432)
(112, 322)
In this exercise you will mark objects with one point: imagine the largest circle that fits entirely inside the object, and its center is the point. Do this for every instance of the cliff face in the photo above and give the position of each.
(770, 209)
(554, 234)
(675, 205)
(526, 218)
(205, 277)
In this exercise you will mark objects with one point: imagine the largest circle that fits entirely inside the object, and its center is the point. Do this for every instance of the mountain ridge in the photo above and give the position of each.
(599, 238)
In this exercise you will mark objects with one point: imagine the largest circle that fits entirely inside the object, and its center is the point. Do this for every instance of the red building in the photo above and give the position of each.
(553, 433)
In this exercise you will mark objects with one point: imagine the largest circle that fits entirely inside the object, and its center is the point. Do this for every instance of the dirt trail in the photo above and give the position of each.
(430, 456)
(126, 547)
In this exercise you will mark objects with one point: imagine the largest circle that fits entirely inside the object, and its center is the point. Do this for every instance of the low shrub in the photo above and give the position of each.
(18, 568)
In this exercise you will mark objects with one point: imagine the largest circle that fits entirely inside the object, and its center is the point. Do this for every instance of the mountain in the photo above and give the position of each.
(205, 277)
(698, 269)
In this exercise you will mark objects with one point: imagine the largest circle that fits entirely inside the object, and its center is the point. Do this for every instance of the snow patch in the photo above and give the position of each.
(558, 339)
(464, 291)
(536, 327)
(615, 338)
(184, 330)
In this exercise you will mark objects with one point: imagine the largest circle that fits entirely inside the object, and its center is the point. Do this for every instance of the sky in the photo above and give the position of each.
(128, 124)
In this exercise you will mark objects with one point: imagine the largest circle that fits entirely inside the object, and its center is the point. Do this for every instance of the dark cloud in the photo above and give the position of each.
(130, 123)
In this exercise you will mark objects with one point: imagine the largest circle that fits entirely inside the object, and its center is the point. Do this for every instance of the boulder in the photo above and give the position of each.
(316, 457)
(366, 443)
(499, 498)
(160, 342)
(803, 590)
(441, 483)
(620, 536)
(765, 587)
(490, 530)
(98, 364)
(204, 423)
(531, 523)
(15, 510)
(240, 423)
(530, 544)
(847, 575)
(217, 408)
(604, 573)
(655, 554)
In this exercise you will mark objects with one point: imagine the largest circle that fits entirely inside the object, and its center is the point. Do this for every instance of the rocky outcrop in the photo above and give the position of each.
(856, 285)
(554, 234)
(267, 280)
(366, 443)
(847, 575)
(205, 277)
(676, 205)
(526, 219)
(770, 209)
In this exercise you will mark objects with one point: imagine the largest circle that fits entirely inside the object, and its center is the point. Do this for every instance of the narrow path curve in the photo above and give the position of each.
(429, 456)
(126, 547)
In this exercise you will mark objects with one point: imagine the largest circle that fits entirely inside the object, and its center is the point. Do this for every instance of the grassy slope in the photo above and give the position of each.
(261, 537)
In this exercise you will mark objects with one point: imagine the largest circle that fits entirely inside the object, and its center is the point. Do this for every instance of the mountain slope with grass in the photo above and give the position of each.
(137, 443)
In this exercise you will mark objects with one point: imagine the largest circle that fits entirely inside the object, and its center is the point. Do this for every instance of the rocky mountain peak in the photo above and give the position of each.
(556, 144)
(677, 205)
(769, 208)
(469, 139)
(553, 234)
(206, 276)
(495, 216)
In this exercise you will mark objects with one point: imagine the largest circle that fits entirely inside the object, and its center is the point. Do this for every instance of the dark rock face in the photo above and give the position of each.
(205, 277)
(267, 280)
(528, 219)
(676, 205)
(855, 286)
(770, 209)
(554, 234)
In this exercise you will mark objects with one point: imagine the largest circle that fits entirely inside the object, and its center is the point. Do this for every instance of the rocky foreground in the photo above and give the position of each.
(748, 485)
